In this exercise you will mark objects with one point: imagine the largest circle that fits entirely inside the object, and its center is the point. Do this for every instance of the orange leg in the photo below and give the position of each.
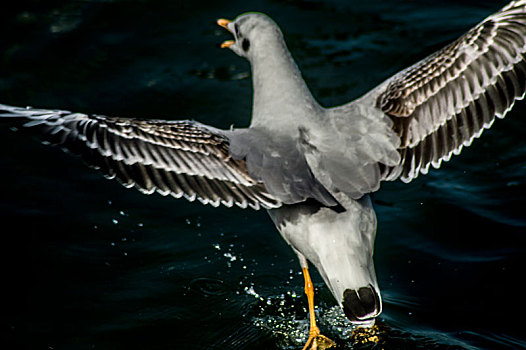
(316, 340)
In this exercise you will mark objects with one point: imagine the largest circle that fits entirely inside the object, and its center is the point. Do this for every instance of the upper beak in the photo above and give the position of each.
(224, 23)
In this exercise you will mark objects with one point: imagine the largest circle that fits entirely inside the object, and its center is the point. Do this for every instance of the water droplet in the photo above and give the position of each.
(230, 256)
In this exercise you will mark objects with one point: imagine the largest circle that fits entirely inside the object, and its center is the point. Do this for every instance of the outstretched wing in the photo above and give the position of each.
(178, 158)
(445, 101)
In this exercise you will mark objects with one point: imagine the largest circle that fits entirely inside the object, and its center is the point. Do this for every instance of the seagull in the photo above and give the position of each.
(312, 168)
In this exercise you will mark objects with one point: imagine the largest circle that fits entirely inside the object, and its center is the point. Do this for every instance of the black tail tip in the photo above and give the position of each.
(361, 305)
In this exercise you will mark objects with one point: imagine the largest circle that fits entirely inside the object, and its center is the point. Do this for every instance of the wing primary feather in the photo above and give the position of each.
(443, 102)
(180, 158)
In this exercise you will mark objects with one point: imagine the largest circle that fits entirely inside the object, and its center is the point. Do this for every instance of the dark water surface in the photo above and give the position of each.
(87, 264)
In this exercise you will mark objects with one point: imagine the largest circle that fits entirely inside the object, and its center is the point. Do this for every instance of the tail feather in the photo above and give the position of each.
(361, 305)
(340, 244)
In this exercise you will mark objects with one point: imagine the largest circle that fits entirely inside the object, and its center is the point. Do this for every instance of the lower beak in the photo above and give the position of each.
(227, 43)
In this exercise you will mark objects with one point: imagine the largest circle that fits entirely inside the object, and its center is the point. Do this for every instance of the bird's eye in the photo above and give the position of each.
(245, 45)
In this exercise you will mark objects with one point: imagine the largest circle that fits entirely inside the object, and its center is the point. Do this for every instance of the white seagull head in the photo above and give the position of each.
(255, 35)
